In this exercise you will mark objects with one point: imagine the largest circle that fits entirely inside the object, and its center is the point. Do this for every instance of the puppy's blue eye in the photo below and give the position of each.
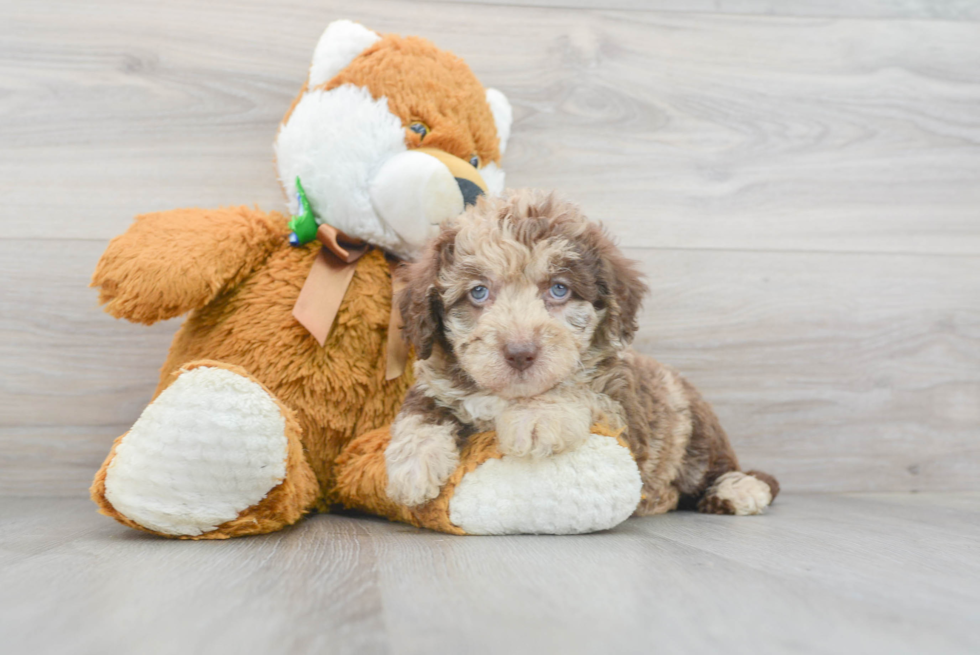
(475, 161)
(479, 294)
(559, 290)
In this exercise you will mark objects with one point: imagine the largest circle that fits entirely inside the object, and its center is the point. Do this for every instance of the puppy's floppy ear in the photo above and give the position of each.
(419, 301)
(620, 285)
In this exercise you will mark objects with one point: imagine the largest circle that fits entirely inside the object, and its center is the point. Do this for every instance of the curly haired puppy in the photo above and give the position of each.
(521, 313)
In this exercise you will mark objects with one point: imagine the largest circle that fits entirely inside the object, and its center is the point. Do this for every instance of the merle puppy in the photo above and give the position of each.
(521, 313)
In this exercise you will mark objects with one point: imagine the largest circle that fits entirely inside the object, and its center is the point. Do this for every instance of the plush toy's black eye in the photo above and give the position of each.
(475, 161)
(479, 294)
(419, 128)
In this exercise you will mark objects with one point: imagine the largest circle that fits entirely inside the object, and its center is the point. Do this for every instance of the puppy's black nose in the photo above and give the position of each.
(520, 356)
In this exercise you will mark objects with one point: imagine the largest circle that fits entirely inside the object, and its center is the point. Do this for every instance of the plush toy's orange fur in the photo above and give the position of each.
(424, 83)
(234, 271)
(243, 319)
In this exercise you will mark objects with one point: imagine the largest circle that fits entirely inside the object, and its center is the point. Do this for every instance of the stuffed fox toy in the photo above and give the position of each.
(279, 385)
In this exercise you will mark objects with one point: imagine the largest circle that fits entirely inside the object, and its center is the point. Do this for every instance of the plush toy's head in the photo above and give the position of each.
(389, 137)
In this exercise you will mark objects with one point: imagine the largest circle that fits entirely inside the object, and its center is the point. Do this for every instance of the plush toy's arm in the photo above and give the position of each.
(169, 263)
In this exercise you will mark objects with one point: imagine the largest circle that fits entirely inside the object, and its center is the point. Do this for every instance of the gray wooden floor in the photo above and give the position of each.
(890, 573)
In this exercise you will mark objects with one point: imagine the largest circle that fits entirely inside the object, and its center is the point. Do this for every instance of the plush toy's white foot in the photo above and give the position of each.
(210, 446)
(594, 487)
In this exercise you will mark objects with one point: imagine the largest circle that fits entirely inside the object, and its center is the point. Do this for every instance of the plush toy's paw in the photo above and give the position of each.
(209, 447)
(542, 430)
(594, 487)
(169, 263)
(419, 459)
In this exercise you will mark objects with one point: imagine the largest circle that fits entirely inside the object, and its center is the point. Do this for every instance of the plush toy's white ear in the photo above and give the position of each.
(340, 43)
(502, 115)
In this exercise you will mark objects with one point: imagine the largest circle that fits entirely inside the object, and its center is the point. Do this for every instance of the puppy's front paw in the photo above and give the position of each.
(540, 430)
(420, 458)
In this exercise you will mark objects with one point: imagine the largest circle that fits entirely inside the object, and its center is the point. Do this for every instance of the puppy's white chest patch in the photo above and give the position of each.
(484, 408)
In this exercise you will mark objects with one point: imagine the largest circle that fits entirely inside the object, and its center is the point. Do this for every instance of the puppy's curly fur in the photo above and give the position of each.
(521, 313)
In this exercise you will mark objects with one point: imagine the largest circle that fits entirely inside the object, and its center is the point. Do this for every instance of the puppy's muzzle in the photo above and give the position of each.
(521, 356)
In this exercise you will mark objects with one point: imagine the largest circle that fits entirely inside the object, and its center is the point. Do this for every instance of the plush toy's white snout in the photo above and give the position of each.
(414, 192)
(348, 150)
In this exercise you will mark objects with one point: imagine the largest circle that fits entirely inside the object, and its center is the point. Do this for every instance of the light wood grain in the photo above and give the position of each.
(803, 194)
(835, 372)
(911, 9)
(693, 131)
(801, 181)
(824, 574)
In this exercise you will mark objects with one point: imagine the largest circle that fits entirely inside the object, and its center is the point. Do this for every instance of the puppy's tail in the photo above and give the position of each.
(739, 493)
